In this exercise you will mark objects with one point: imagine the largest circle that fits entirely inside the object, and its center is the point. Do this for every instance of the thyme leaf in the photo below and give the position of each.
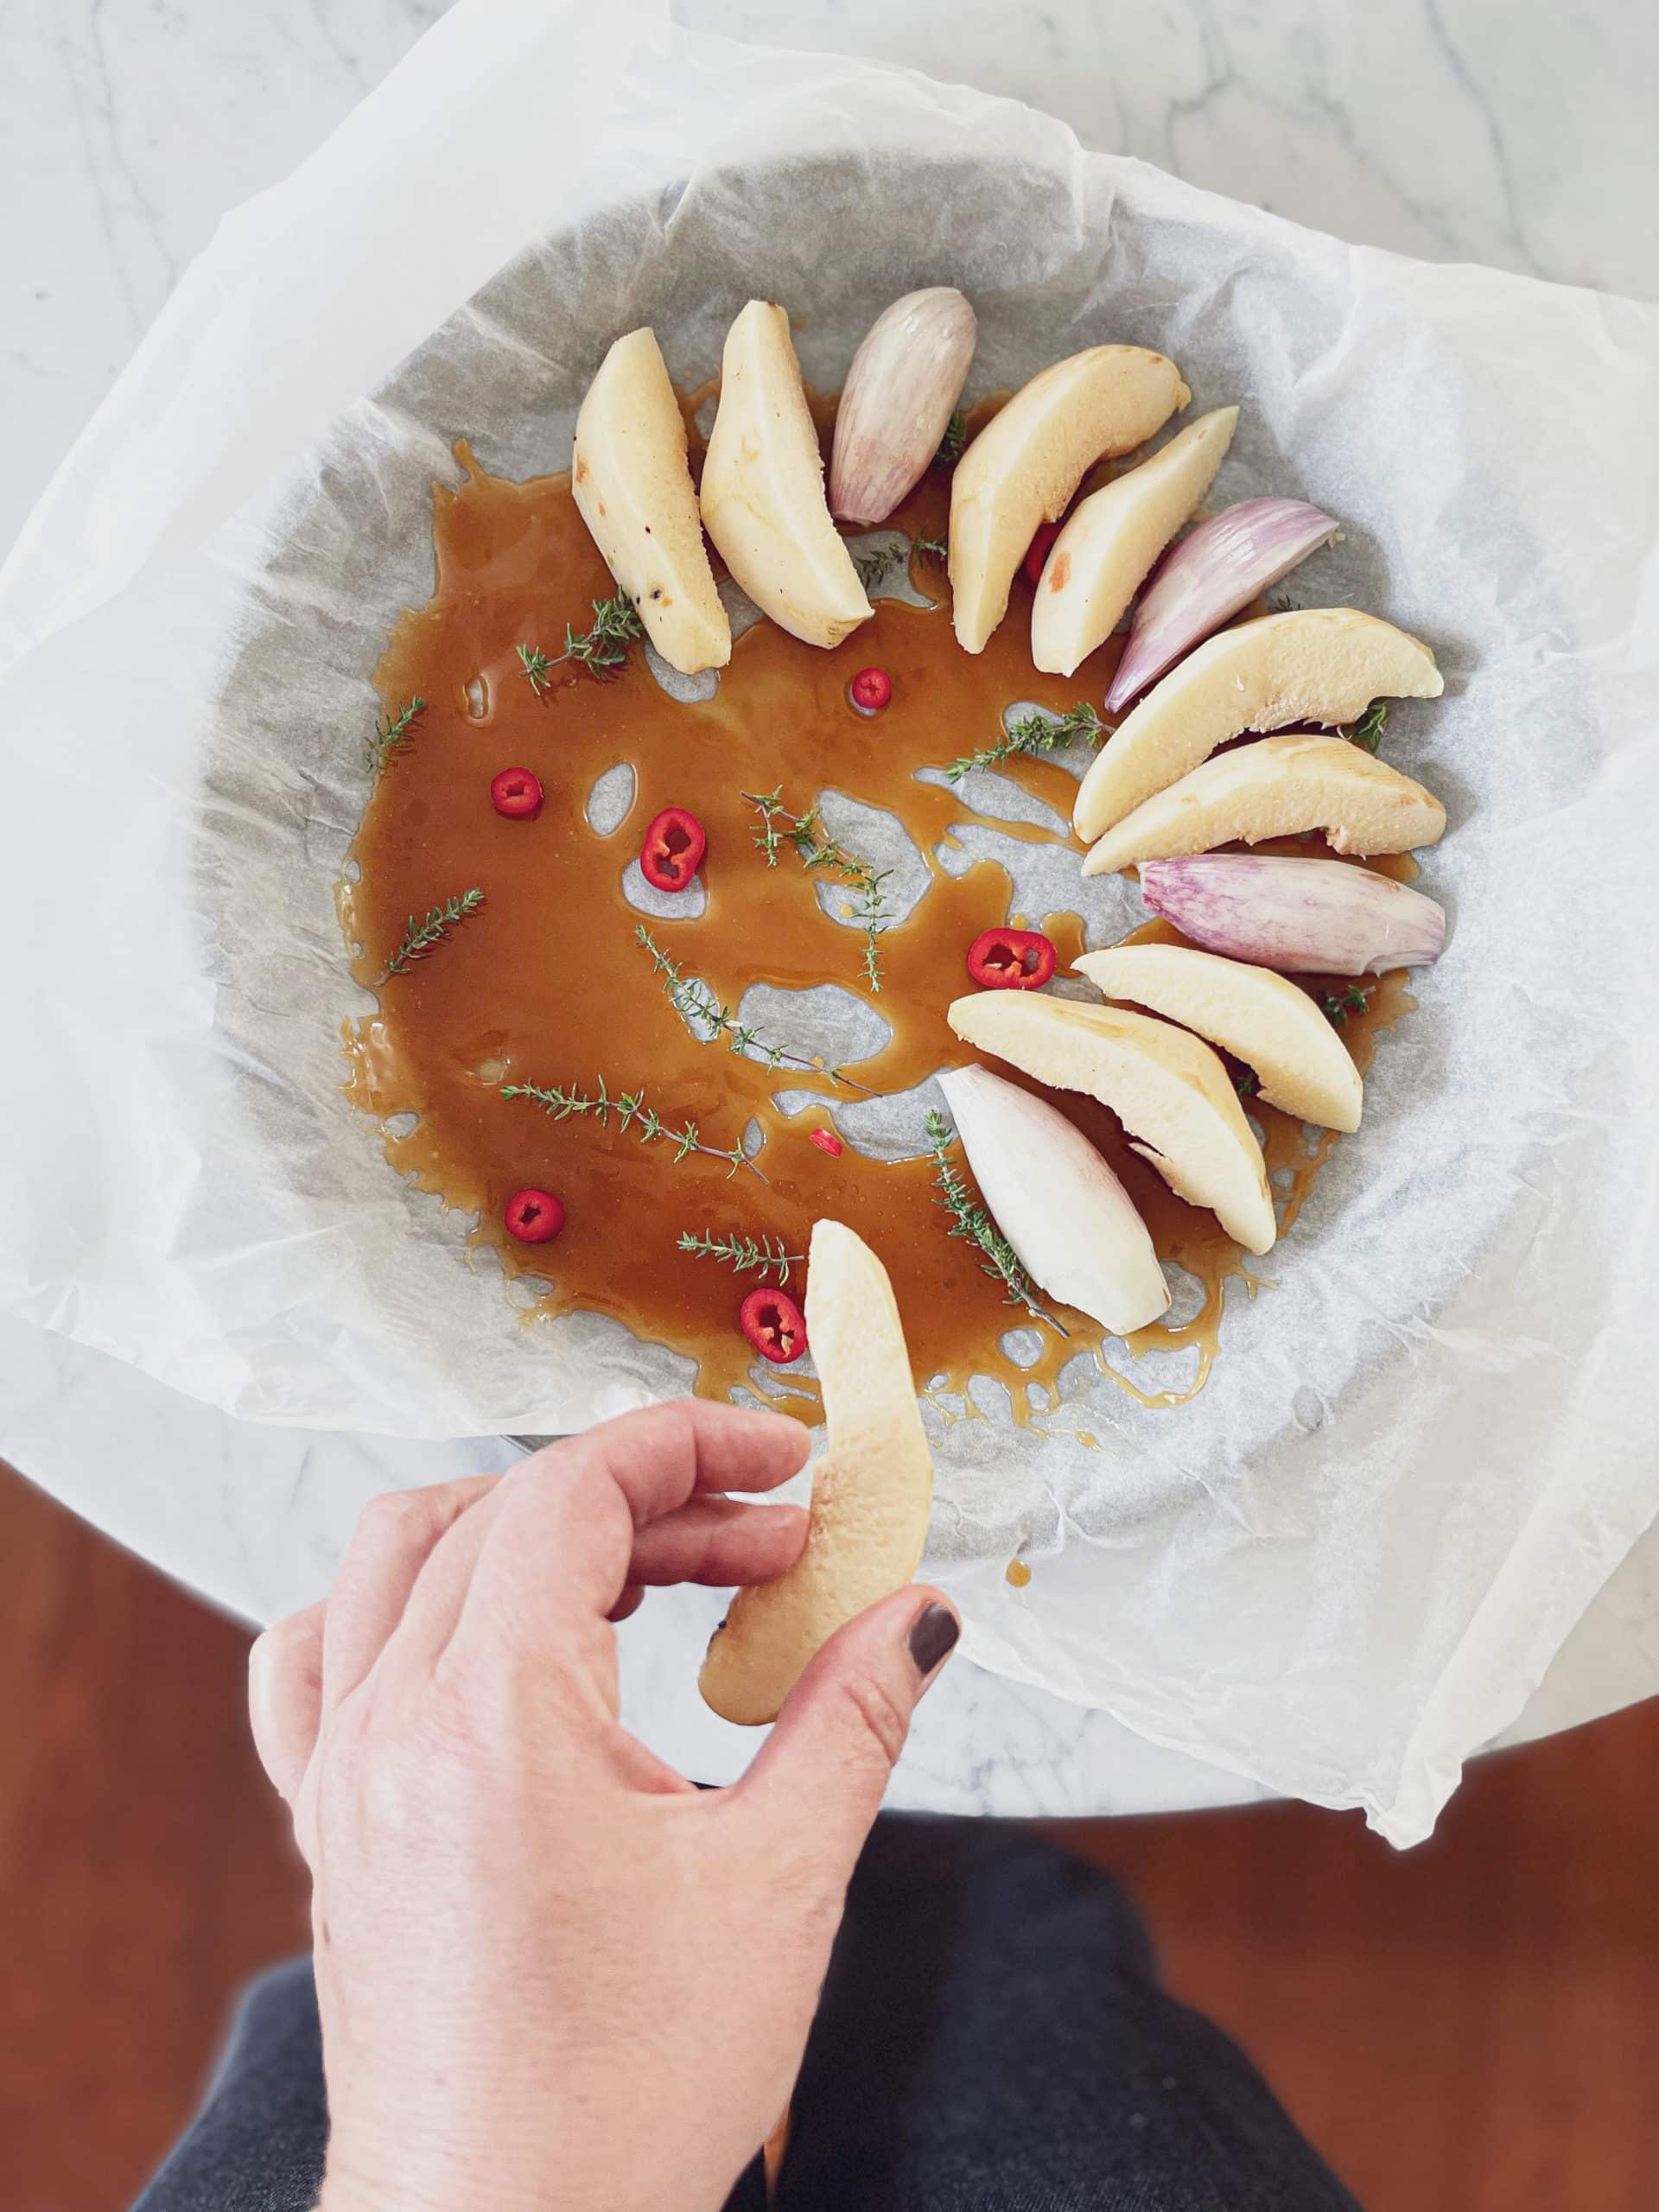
(745, 1254)
(391, 735)
(601, 651)
(1037, 733)
(421, 936)
(605, 647)
(1338, 1008)
(632, 1111)
(818, 849)
(877, 565)
(953, 442)
(687, 996)
(882, 561)
(1368, 730)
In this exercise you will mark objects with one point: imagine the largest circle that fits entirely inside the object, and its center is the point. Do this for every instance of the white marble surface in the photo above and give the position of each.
(1499, 130)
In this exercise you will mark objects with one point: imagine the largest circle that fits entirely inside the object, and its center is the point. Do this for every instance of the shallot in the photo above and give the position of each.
(1303, 917)
(1216, 570)
(904, 380)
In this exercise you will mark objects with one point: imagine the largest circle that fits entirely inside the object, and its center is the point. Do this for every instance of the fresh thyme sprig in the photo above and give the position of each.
(629, 1107)
(955, 439)
(1037, 733)
(1001, 1261)
(877, 565)
(536, 666)
(1337, 1008)
(1245, 1083)
(616, 626)
(601, 651)
(688, 997)
(1368, 730)
(421, 936)
(818, 848)
(391, 735)
(744, 1254)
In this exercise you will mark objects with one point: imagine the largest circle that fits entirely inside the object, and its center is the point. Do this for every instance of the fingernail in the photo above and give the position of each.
(933, 1635)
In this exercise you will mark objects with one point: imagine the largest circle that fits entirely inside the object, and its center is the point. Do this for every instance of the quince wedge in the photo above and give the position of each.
(872, 1489)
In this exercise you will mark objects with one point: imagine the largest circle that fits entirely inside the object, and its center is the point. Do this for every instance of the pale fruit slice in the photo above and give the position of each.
(1170, 1091)
(1301, 1064)
(631, 482)
(1100, 559)
(1281, 787)
(871, 1490)
(763, 501)
(1026, 462)
(1070, 1222)
(1317, 664)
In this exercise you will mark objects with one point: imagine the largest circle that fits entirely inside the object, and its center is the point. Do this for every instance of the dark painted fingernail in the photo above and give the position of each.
(933, 1635)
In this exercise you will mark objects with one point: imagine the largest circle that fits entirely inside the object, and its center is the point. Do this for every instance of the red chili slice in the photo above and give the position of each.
(774, 1324)
(516, 793)
(673, 850)
(534, 1217)
(870, 690)
(1011, 960)
(1036, 551)
(827, 1140)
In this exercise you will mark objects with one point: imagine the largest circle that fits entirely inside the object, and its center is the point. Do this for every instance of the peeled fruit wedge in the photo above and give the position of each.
(1280, 788)
(1026, 462)
(871, 1490)
(763, 501)
(631, 485)
(1300, 1062)
(1319, 665)
(1057, 1201)
(1099, 560)
(1170, 1091)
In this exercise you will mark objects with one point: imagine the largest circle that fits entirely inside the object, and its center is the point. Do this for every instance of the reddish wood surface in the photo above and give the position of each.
(145, 1866)
(1465, 2029)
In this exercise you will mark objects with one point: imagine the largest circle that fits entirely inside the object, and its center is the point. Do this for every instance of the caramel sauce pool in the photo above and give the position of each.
(545, 983)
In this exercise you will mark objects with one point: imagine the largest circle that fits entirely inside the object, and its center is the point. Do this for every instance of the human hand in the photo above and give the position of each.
(550, 1972)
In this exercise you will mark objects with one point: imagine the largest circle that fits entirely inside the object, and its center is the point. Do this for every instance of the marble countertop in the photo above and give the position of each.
(1436, 127)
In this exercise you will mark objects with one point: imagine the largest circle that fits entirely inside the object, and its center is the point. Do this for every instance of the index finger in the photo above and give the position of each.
(558, 1534)
(662, 1455)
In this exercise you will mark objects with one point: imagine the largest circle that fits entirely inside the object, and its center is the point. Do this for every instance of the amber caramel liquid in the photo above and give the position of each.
(546, 985)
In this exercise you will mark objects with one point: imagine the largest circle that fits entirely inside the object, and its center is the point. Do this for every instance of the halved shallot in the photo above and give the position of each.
(1302, 917)
(1214, 572)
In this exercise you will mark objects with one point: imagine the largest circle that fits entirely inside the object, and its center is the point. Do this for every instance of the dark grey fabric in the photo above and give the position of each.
(256, 2145)
(992, 2037)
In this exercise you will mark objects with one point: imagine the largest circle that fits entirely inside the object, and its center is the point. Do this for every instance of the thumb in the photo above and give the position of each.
(826, 1761)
